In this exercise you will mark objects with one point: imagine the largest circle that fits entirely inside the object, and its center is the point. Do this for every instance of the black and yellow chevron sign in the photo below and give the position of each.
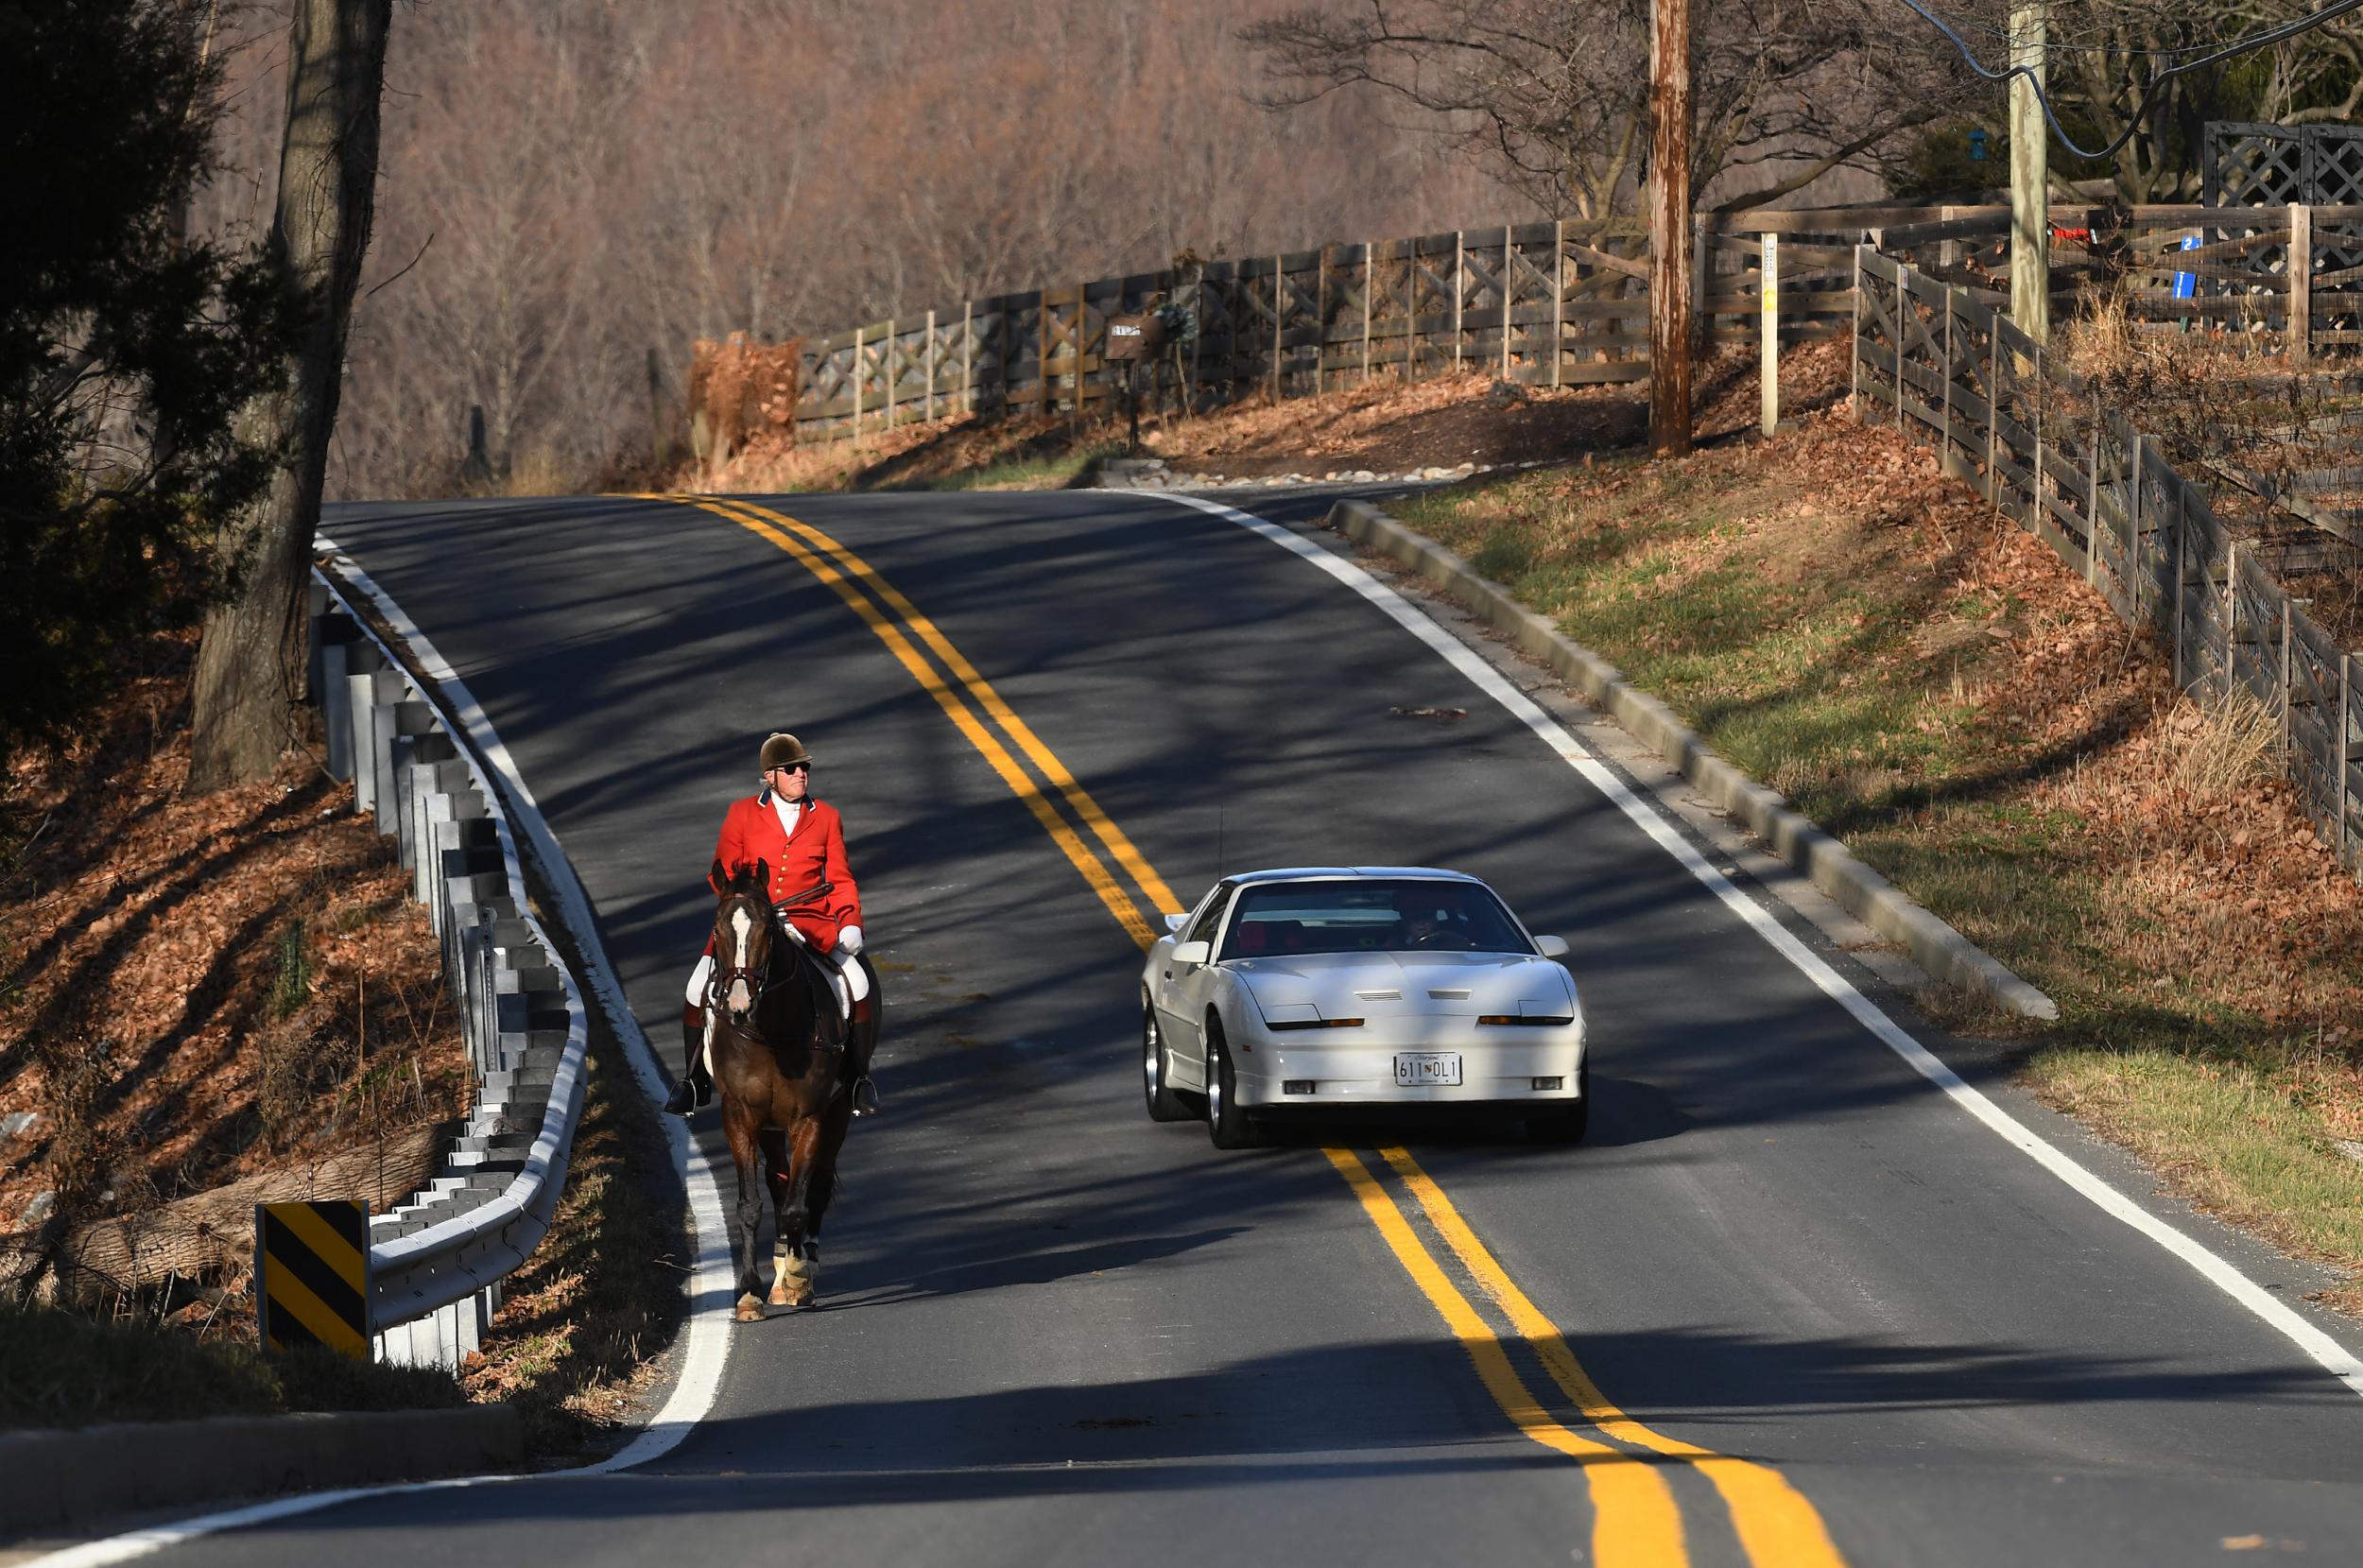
(312, 1275)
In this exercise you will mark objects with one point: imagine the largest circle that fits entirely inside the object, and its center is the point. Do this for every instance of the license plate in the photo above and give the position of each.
(1412, 1071)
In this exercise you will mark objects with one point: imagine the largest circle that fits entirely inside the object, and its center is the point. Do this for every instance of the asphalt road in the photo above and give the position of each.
(1052, 1331)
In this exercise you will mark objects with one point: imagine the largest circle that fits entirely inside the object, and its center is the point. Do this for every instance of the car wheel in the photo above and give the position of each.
(1568, 1124)
(1229, 1123)
(1166, 1103)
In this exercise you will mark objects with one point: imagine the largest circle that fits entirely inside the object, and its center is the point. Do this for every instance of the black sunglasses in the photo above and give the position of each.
(791, 767)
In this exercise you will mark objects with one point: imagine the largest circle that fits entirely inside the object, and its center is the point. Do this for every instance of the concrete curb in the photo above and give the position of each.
(57, 1477)
(1871, 898)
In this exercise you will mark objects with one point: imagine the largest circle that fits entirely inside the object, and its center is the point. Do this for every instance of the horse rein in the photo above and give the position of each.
(756, 977)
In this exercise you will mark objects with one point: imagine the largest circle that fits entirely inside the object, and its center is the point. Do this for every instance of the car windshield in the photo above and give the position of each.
(1366, 915)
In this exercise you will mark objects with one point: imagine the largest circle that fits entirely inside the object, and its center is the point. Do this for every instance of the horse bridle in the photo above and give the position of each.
(728, 968)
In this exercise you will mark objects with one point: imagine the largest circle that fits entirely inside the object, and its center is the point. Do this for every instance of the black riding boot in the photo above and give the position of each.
(696, 1087)
(865, 1092)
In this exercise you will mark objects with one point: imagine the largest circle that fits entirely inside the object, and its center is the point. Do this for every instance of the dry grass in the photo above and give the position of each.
(2230, 743)
(202, 987)
(1945, 694)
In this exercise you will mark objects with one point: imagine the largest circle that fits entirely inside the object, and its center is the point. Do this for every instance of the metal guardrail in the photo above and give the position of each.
(437, 1260)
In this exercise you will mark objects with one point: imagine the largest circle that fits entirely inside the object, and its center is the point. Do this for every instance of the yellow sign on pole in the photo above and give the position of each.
(312, 1276)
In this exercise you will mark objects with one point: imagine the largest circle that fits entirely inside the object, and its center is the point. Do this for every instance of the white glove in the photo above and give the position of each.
(849, 939)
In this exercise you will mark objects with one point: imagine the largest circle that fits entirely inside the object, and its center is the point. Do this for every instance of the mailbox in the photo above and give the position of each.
(1133, 337)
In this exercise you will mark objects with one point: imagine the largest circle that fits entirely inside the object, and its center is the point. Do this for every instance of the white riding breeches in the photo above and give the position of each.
(847, 978)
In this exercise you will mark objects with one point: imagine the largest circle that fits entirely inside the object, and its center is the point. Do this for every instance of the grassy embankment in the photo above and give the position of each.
(1940, 691)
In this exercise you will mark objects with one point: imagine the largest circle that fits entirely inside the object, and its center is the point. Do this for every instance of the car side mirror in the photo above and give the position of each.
(1551, 947)
(1175, 922)
(1193, 953)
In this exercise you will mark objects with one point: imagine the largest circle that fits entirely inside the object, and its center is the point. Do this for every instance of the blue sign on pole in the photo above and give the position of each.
(2186, 283)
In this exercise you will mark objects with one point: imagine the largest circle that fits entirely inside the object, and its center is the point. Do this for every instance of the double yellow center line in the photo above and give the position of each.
(1636, 1521)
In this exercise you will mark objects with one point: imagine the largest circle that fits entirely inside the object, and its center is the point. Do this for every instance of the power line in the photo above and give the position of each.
(2260, 41)
(2048, 47)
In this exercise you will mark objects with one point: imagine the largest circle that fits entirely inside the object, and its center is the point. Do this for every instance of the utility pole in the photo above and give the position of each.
(1670, 228)
(2031, 217)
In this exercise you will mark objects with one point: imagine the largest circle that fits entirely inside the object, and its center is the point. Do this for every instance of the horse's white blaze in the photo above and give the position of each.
(740, 927)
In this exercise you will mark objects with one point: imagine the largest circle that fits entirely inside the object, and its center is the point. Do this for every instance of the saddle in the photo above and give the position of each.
(806, 967)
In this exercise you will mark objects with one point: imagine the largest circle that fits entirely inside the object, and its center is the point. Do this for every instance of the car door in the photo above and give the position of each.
(1182, 993)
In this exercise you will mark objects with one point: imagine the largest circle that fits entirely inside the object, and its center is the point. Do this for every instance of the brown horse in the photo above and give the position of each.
(784, 1061)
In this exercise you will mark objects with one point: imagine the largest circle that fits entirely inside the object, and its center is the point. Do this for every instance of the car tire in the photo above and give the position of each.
(1166, 1103)
(1227, 1123)
(1566, 1124)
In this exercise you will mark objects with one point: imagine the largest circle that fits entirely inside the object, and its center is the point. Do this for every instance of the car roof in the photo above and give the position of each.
(1320, 873)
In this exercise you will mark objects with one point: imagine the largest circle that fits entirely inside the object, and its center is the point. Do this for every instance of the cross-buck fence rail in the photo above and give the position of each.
(2172, 268)
(1549, 305)
(1954, 374)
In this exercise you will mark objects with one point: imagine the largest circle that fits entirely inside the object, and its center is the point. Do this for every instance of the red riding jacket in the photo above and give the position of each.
(813, 853)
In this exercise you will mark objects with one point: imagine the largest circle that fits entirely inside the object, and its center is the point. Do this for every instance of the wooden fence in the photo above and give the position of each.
(1561, 304)
(2175, 268)
(1552, 304)
(2033, 437)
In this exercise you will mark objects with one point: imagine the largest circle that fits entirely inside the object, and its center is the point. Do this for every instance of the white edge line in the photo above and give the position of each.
(2333, 1357)
(712, 1284)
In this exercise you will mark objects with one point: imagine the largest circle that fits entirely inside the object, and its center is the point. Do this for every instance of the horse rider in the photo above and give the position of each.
(802, 840)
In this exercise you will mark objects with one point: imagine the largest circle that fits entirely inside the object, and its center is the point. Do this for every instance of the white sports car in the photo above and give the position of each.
(1358, 987)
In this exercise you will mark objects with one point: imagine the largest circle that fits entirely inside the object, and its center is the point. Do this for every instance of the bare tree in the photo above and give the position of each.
(1552, 96)
(249, 663)
(2106, 77)
(568, 186)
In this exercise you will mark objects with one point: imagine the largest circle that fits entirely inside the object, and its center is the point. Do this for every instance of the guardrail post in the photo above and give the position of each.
(857, 381)
(394, 723)
(365, 693)
(413, 753)
(335, 693)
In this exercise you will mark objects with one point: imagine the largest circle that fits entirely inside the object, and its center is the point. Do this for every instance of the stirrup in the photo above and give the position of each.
(688, 1096)
(865, 1096)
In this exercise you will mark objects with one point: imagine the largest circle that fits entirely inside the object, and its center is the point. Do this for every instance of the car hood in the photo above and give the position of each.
(1393, 985)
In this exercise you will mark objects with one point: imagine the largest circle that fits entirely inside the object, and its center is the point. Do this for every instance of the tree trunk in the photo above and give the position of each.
(249, 668)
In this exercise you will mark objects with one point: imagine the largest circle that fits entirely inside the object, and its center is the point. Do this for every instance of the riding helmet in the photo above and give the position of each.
(783, 750)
